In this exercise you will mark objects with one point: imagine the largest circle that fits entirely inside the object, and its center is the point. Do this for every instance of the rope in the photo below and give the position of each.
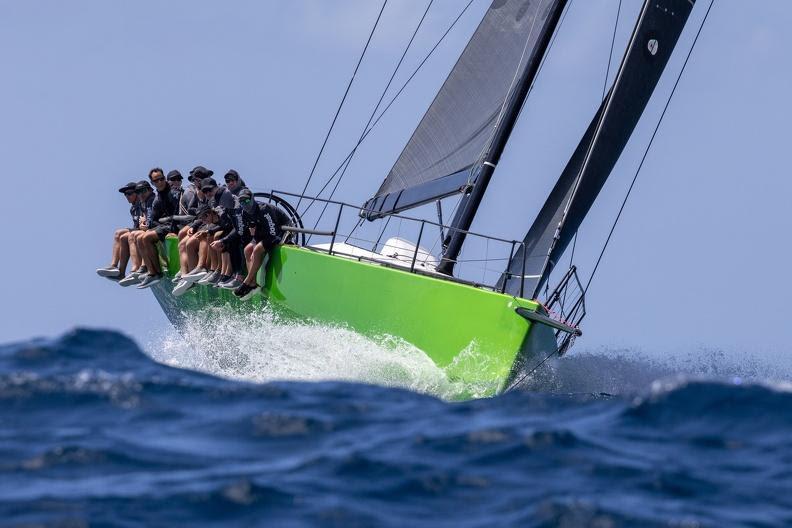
(341, 104)
(348, 160)
(646, 152)
(637, 172)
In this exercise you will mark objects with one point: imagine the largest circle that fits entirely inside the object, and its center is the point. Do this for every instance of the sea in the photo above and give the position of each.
(263, 423)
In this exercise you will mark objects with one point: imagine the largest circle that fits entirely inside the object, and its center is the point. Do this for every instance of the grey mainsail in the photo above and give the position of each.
(455, 133)
(653, 40)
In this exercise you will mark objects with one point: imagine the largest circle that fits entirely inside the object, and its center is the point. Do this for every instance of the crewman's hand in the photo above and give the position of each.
(217, 245)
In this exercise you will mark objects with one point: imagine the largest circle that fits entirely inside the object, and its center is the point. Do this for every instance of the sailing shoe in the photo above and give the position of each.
(150, 281)
(182, 287)
(220, 279)
(208, 278)
(246, 291)
(177, 277)
(195, 275)
(130, 280)
(231, 284)
(110, 272)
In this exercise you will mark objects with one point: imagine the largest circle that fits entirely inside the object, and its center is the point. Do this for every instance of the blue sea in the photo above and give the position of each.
(95, 431)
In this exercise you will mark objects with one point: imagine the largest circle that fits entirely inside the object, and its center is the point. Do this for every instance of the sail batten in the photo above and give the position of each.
(455, 134)
(653, 40)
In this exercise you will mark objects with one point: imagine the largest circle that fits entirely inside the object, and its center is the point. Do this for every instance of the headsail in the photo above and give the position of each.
(457, 129)
(653, 40)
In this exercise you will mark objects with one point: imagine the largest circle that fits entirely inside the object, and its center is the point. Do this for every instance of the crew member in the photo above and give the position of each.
(164, 205)
(145, 203)
(122, 249)
(265, 221)
(217, 228)
(191, 200)
(232, 247)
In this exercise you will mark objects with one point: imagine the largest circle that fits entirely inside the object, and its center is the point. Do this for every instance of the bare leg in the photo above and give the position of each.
(203, 253)
(133, 251)
(249, 254)
(150, 255)
(226, 264)
(257, 257)
(184, 260)
(117, 245)
(193, 245)
(123, 252)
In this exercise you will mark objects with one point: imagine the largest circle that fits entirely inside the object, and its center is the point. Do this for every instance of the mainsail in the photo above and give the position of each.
(456, 132)
(653, 40)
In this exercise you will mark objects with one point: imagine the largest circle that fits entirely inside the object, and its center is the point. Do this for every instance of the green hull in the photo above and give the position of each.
(475, 335)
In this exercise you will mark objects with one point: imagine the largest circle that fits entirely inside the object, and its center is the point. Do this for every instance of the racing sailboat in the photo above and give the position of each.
(483, 331)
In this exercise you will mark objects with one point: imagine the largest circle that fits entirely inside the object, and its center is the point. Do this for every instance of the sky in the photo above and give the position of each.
(94, 93)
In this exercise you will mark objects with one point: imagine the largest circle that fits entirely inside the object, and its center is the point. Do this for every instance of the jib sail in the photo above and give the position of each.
(653, 40)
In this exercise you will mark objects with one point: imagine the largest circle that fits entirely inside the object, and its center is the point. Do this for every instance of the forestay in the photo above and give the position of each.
(458, 127)
(653, 40)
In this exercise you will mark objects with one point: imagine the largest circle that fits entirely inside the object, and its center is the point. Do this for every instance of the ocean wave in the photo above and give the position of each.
(106, 435)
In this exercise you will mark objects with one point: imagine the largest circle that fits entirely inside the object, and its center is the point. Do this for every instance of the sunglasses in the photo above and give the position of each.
(245, 201)
(141, 191)
(229, 179)
(129, 193)
(158, 179)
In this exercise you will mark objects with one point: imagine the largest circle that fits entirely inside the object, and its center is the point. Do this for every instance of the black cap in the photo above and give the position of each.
(203, 209)
(142, 185)
(199, 173)
(174, 175)
(234, 174)
(128, 187)
(245, 193)
(208, 184)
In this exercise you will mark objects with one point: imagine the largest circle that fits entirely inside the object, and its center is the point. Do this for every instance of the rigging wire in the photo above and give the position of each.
(399, 92)
(348, 161)
(604, 92)
(646, 152)
(610, 55)
(341, 104)
(632, 184)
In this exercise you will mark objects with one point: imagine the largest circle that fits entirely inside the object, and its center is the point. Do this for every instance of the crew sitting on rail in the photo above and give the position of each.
(217, 229)
(193, 198)
(264, 222)
(122, 249)
(232, 248)
(198, 243)
(164, 205)
(145, 201)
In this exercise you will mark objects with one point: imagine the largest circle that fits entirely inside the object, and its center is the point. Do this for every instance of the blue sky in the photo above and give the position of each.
(95, 92)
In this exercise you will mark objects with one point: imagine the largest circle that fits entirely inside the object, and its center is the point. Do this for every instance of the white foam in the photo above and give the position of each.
(262, 347)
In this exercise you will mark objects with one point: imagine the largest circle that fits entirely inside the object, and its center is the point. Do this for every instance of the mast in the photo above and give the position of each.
(472, 199)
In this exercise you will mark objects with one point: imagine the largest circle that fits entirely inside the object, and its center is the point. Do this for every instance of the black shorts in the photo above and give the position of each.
(163, 231)
(268, 240)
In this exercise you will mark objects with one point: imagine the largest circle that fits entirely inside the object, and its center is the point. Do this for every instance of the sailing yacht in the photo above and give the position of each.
(486, 331)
